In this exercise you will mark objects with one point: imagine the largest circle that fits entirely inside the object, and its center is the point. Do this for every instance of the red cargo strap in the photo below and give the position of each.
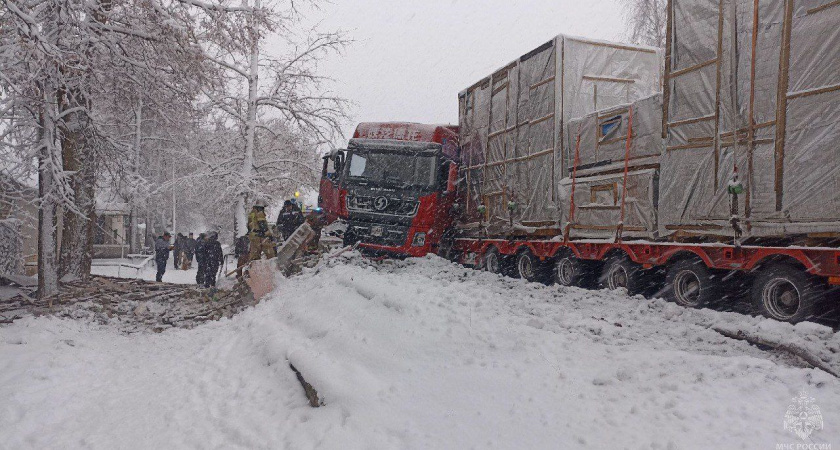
(572, 199)
(620, 226)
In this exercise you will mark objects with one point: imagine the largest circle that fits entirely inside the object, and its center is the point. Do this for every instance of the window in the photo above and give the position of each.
(608, 128)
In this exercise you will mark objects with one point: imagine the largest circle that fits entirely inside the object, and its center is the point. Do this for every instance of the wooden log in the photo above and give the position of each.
(794, 350)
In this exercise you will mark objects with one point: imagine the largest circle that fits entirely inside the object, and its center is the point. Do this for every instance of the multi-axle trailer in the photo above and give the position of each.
(574, 163)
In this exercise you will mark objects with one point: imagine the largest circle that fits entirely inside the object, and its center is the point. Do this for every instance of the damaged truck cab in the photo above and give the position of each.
(394, 186)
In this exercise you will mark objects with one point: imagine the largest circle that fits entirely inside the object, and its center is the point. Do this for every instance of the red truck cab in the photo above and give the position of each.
(394, 185)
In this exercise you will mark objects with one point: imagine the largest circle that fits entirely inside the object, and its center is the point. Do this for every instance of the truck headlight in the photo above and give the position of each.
(419, 240)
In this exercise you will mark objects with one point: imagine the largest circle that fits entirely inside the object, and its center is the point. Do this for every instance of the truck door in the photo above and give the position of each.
(329, 192)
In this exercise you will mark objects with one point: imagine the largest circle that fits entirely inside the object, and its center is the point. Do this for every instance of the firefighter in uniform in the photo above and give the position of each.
(259, 234)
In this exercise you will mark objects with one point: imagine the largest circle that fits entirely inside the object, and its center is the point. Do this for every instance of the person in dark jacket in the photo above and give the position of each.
(189, 250)
(200, 258)
(178, 249)
(214, 256)
(242, 250)
(289, 219)
(162, 249)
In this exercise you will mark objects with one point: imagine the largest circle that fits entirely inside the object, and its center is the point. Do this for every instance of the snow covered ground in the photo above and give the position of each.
(415, 354)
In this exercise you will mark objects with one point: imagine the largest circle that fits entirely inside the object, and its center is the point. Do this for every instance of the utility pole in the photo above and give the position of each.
(174, 223)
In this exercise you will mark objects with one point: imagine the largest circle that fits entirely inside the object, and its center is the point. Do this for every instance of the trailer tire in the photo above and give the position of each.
(572, 271)
(529, 267)
(620, 272)
(786, 293)
(691, 284)
(491, 261)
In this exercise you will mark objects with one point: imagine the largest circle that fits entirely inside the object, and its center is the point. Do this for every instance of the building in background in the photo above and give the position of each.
(111, 235)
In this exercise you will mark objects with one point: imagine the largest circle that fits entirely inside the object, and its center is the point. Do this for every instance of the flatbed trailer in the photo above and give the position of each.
(788, 283)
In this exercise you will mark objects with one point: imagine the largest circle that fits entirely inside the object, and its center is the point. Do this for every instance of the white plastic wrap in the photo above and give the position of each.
(791, 187)
(512, 124)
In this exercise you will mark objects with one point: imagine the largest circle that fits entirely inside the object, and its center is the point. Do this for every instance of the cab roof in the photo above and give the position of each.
(407, 131)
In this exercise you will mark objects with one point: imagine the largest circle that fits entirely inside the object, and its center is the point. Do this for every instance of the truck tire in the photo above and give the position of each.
(491, 261)
(691, 284)
(786, 293)
(620, 272)
(528, 266)
(572, 271)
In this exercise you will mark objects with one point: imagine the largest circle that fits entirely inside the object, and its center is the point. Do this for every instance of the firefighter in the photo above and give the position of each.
(243, 254)
(259, 235)
(289, 219)
(316, 220)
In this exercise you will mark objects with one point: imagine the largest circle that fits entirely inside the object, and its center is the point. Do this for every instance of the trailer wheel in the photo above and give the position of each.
(528, 266)
(786, 293)
(572, 271)
(620, 272)
(689, 283)
(491, 261)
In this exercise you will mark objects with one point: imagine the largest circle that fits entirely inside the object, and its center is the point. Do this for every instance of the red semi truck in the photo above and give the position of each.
(410, 212)
(550, 177)
(394, 185)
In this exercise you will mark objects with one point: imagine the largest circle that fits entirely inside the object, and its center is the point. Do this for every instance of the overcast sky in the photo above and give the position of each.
(411, 58)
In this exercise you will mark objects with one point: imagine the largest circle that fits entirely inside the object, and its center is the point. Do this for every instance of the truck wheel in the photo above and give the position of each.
(689, 283)
(491, 261)
(620, 272)
(786, 293)
(528, 266)
(571, 271)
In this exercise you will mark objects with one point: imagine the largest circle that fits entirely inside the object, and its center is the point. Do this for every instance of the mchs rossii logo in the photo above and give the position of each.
(802, 418)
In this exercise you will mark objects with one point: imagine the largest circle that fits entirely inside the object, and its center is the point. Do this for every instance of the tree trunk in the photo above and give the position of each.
(80, 160)
(47, 162)
(138, 122)
(251, 122)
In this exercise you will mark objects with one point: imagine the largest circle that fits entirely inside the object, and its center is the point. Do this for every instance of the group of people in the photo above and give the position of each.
(259, 241)
(184, 251)
(206, 249)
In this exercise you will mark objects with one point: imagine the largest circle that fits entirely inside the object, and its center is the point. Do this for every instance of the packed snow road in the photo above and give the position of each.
(417, 354)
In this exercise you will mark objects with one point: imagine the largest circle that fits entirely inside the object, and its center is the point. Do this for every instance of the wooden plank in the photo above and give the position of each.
(781, 102)
(608, 79)
(607, 228)
(751, 118)
(498, 89)
(706, 227)
(611, 45)
(817, 9)
(541, 119)
(718, 81)
(678, 123)
(810, 92)
(614, 113)
(666, 81)
(694, 68)
(690, 146)
(540, 83)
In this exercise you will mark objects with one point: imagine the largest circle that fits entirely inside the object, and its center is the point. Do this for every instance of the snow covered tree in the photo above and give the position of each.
(292, 90)
(646, 21)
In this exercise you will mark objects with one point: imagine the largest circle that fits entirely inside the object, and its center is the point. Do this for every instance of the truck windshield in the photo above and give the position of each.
(393, 168)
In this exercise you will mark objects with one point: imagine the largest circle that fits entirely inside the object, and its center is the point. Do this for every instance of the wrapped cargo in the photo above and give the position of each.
(512, 126)
(603, 136)
(597, 155)
(597, 206)
(752, 113)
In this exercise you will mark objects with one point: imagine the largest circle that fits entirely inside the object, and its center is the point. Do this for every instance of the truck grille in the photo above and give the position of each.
(378, 233)
(382, 205)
